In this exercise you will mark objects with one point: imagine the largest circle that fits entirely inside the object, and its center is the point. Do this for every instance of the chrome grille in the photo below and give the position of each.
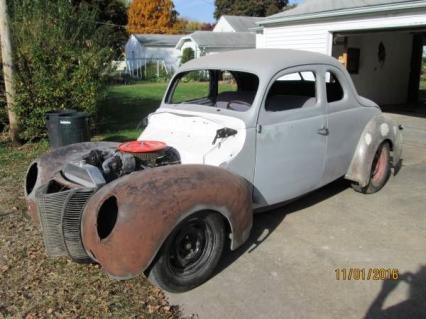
(60, 215)
(71, 224)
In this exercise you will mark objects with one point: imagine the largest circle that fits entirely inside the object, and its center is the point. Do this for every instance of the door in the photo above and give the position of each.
(291, 136)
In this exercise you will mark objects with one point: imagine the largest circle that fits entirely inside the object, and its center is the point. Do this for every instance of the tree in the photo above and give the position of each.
(187, 55)
(62, 58)
(153, 16)
(184, 25)
(254, 8)
(6, 48)
(109, 12)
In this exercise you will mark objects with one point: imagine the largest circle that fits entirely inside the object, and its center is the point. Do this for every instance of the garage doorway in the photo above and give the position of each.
(422, 84)
(386, 65)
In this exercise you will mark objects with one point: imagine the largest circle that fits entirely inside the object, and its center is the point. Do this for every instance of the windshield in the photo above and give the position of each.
(220, 89)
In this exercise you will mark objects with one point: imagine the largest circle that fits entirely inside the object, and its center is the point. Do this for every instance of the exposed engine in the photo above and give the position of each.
(101, 166)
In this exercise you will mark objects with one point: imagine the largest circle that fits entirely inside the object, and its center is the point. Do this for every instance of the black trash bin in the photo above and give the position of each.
(67, 127)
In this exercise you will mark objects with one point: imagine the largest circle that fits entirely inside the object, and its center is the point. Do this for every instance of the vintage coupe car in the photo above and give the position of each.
(259, 128)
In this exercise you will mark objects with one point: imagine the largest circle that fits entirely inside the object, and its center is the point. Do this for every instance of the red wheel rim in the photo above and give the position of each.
(379, 166)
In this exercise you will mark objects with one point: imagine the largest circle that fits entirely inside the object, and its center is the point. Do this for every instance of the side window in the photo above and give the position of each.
(334, 89)
(292, 91)
(192, 87)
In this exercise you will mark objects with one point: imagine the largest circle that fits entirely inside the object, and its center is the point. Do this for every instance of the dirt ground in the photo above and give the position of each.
(34, 286)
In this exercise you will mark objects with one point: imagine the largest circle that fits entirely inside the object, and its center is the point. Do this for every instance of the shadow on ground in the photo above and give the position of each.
(414, 110)
(265, 223)
(121, 112)
(414, 307)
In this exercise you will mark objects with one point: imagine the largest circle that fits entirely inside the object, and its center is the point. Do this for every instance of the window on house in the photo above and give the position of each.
(292, 91)
(334, 89)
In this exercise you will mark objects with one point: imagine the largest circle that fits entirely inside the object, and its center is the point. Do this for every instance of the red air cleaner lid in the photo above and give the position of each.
(142, 147)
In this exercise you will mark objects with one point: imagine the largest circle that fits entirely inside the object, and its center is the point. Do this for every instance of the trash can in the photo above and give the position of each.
(66, 127)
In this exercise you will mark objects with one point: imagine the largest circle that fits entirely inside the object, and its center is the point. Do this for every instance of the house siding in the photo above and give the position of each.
(136, 54)
(317, 36)
(223, 26)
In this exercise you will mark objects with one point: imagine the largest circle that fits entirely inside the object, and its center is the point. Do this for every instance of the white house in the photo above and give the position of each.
(230, 33)
(235, 24)
(207, 42)
(380, 41)
(142, 48)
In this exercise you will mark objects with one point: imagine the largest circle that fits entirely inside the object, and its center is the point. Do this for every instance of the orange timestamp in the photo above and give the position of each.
(367, 273)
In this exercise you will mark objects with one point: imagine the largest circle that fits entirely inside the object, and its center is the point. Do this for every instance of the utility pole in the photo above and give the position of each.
(6, 50)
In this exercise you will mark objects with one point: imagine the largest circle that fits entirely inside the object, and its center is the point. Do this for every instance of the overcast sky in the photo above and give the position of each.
(201, 10)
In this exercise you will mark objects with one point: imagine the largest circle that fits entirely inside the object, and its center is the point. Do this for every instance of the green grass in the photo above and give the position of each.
(422, 84)
(34, 286)
(127, 105)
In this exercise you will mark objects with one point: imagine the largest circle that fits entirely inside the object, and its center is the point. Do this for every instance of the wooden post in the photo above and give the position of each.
(6, 50)
(158, 68)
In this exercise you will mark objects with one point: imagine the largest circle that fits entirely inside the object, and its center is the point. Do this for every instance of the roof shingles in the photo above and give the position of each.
(309, 7)
(236, 40)
(158, 40)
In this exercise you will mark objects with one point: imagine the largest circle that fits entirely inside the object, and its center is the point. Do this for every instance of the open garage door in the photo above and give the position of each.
(385, 65)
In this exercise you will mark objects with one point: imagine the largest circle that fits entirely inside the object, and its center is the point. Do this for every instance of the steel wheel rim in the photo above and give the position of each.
(190, 247)
(379, 166)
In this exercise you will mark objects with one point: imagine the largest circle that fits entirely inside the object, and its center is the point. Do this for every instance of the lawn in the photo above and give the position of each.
(34, 286)
(121, 113)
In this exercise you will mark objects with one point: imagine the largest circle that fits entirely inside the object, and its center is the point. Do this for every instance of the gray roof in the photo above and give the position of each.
(263, 62)
(241, 23)
(325, 8)
(158, 40)
(208, 39)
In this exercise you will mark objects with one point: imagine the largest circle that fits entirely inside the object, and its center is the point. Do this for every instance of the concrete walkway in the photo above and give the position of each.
(287, 268)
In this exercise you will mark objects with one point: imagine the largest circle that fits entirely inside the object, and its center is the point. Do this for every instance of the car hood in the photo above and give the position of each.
(192, 135)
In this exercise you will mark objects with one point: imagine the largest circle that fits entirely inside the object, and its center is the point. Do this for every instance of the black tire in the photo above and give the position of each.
(191, 253)
(380, 171)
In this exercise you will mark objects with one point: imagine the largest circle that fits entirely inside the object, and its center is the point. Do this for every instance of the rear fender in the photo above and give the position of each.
(151, 203)
(378, 130)
(44, 168)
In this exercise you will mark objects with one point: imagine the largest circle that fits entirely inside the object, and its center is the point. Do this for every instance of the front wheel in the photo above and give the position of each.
(380, 171)
(190, 254)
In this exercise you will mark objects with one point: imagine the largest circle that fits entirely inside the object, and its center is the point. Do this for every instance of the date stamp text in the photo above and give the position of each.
(367, 273)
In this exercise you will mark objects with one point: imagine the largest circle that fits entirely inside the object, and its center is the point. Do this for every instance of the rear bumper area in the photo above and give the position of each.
(60, 212)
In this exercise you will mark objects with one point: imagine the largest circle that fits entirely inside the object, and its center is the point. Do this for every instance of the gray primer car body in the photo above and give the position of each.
(270, 156)
(290, 153)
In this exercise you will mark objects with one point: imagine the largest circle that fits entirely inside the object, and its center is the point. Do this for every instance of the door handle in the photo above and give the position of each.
(323, 131)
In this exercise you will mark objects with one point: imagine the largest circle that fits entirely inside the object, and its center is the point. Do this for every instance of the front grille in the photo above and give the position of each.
(60, 215)
(71, 224)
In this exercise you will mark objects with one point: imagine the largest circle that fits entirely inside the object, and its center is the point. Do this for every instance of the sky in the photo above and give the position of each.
(200, 10)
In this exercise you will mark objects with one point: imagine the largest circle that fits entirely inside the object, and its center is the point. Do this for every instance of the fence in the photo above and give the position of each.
(144, 69)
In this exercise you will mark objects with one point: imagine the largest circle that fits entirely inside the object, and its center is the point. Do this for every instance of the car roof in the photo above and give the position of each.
(262, 62)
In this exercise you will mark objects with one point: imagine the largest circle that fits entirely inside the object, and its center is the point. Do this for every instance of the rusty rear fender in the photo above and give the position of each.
(378, 130)
(151, 203)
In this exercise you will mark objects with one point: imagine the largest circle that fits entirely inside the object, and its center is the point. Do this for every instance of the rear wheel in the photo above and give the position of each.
(190, 254)
(380, 171)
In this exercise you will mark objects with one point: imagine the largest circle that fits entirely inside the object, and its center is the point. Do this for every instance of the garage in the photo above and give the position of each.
(381, 42)
(385, 65)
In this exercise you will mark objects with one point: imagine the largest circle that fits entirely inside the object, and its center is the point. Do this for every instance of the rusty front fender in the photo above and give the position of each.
(47, 165)
(151, 203)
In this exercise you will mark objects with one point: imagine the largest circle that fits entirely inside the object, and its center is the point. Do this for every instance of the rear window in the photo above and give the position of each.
(221, 89)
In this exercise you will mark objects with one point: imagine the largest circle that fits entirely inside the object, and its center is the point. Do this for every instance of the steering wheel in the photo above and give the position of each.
(228, 106)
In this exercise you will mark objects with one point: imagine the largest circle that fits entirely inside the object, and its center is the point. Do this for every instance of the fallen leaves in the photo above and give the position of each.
(33, 286)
